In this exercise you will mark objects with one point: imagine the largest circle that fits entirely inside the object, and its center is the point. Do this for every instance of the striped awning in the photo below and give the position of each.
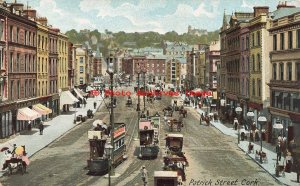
(27, 114)
(43, 110)
(78, 93)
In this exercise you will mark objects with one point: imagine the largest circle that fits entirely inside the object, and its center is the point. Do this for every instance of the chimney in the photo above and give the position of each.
(258, 10)
(30, 13)
(42, 20)
(284, 5)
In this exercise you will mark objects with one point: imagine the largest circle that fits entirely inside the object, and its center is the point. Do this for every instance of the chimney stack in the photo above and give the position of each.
(258, 10)
(42, 20)
(284, 5)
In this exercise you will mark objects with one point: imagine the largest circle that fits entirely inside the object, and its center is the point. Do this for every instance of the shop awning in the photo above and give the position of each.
(78, 93)
(27, 114)
(82, 93)
(89, 88)
(67, 98)
(43, 110)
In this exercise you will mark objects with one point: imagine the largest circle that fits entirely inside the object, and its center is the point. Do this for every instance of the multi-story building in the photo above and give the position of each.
(284, 84)
(232, 60)
(81, 61)
(71, 65)
(53, 71)
(62, 67)
(260, 66)
(97, 63)
(212, 56)
(22, 69)
(173, 70)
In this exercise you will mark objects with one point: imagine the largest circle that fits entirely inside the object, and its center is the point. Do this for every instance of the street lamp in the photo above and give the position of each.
(250, 116)
(238, 110)
(262, 120)
(278, 126)
(109, 151)
(144, 93)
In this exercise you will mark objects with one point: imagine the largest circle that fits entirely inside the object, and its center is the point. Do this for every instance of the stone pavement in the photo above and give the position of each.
(53, 129)
(269, 166)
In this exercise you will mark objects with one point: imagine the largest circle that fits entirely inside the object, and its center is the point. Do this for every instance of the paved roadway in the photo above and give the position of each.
(213, 157)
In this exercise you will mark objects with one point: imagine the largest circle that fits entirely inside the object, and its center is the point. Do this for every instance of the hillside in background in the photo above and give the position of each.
(135, 40)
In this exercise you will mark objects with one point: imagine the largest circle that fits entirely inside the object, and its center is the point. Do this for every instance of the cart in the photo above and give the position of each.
(175, 124)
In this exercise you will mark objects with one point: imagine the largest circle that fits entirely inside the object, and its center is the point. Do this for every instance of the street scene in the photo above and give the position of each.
(208, 94)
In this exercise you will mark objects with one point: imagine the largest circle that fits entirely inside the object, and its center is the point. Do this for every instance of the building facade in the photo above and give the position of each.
(285, 64)
(62, 48)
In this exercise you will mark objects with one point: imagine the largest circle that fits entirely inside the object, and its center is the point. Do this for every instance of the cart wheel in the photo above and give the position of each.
(9, 169)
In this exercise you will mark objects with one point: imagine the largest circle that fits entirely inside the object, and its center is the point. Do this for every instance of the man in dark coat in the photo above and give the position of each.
(41, 127)
(278, 151)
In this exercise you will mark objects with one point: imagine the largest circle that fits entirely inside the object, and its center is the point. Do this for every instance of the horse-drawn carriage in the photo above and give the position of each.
(183, 112)
(16, 160)
(186, 101)
(175, 160)
(168, 111)
(175, 124)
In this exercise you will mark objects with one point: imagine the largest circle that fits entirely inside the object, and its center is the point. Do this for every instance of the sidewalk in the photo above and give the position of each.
(53, 129)
(269, 166)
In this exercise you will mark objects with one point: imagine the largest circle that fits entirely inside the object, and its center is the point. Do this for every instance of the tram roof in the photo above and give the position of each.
(175, 135)
(165, 174)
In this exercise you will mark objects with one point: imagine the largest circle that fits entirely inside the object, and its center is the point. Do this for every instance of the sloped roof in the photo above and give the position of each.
(282, 12)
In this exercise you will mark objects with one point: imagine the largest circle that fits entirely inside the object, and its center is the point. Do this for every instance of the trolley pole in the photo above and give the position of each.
(138, 105)
(144, 73)
(112, 124)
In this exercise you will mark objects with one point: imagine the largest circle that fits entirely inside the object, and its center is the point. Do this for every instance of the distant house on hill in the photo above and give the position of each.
(197, 32)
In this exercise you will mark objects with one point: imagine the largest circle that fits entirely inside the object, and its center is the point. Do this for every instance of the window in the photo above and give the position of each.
(18, 63)
(289, 72)
(18, 30)
(29, 38)
(290, 44)
(42, 42)
(81, 69)
(259, 87)
(275, 42)
(81, 80)
(39, 41)
(298, 38)
(25, 88)
(25, 38)
(12, 90)
(253, 87)
(281, 41)
(18, 89)
(253, 40)
(281, 70)
(11, 62)
(247, 42)
(81, 59)
(25, 64)
(253, 63)
(258, 62)
(274, 71)
(298, 71)
(243, 43)
(258, 38)
(11, 33)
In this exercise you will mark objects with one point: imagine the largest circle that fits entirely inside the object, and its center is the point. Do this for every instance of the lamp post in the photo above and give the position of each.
(250, 116)
(238, 110)
(109, 151)
(110, 71)
(278, 126)
(262, 121)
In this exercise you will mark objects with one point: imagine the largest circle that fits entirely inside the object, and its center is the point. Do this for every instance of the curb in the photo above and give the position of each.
(258, 163)
(74, 125)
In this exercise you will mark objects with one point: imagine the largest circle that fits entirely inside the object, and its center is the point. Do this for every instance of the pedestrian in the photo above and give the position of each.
(278, 151)
(95, 104)
(144, 174)
(289, 162)
(84, 102)
(41, 127)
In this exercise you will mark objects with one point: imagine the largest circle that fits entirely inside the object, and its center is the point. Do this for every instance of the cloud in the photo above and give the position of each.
(246, 5)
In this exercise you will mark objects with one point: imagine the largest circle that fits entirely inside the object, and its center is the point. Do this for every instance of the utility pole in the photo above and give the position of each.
(138, 105)
(112, 124)
(144, 73)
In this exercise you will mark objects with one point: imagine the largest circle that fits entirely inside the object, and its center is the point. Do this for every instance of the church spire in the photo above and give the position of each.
(225, 23)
